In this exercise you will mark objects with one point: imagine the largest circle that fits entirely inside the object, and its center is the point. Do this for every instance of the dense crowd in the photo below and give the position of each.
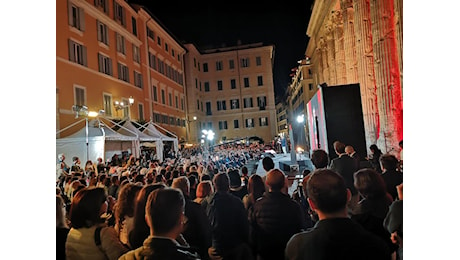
(205, 204)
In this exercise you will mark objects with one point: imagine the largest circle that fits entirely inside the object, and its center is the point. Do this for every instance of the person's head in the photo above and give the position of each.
(275, 180)
(374, 148)
(221, 182)
(75, 160)
(89, 163)
(369, 183)
(244, 171)
(305, 172)
(235, 178)
(165, 212)
(60, 212)
(140, 227)
(204, 189)
(267, 163)
(327, 193)
(88, 205)
(349, 149)
(61, 157)
(401, 144)
(256, 186)
(339, 147)
(125, 203)
(319, 158)
(192, 179)
(182, 183)
(205, 177)
(389, 162)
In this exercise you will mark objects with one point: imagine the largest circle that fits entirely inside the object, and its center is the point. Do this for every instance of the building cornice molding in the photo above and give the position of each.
(320, 12)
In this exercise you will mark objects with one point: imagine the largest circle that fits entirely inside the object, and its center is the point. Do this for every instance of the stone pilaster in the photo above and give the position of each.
(341, 71)
(387, 74)
(398, 9)
(330, 42)
(351, 64)
(365, 62)
(324, 53)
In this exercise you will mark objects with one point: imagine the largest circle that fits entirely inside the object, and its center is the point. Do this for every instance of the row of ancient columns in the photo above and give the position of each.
(361, 42)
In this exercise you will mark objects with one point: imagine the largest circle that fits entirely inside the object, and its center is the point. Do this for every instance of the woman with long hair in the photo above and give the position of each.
(140, 229)
(124, 211)
(256, 188)
(90, 237)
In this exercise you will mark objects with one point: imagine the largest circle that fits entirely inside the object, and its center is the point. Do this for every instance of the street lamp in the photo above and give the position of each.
(82, 111)
(122, 105)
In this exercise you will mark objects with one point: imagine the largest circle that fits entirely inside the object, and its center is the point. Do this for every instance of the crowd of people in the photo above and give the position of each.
(205, 204)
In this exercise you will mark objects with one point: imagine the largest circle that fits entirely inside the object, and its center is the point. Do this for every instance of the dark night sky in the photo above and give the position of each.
(214, 23)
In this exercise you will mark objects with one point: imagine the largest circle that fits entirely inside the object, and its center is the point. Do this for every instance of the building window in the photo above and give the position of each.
(108, 104)
(208, 108)
(121, 43)
(138, 79)
(170, 99)
(150, 34)
(136, 54)
(249, 122)
(172, 120)
(177, 101)
(141, 111)
(310, 86)
(77, 17)
(159, 40)
(219, 65)
(194, 62)
(80, 96)
(206, 87)
(245, 62)
(260, 81)
(105, 64)
(197, 104)
(77, 53)
(166, 47)
(154, 93)
(123, 72)
(263, 121)
(258, 61)
(205, 67)
(246, 82)
(134, 25)
(236, 123)
(209, 125)
(248, 102)
(235, 103)
(157, 117)
(222, 125)
(199, 66)
(152, 61)
(102, 33)
(233, 83)
(102, 5)
(262, 102)
(231, 64)
(221, 105)
(196, 83)
(163, 97)
(219, 85)
(119, 13)
(173, 53)
(182, 103)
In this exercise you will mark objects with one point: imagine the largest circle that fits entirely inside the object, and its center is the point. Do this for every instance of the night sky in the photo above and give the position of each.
(215, 24)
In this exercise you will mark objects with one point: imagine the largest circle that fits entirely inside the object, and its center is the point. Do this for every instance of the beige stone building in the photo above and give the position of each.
(360, 41)
(230, 91)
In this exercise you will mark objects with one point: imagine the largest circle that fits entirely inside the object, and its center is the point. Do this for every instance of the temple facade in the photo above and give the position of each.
(360, 41)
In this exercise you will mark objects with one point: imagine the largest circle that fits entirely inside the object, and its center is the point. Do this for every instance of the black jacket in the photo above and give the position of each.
(274, 219)
(346, 167)
(197, 230)
(392, 179)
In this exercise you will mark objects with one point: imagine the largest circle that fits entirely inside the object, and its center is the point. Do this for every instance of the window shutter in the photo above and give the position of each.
(69, 8)
(82, 19)
(71, 51)
(83, 49)
(106, 6)
(101, 62)
(123, 17)
(98, 29)
(115, 10)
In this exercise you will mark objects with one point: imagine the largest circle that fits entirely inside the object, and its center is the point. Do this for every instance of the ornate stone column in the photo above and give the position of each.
(351, 64)
(398, 9)
(386, 67)
(330, 42)
(365, 62)
(341, 71)
(324, 53)
(317, 62)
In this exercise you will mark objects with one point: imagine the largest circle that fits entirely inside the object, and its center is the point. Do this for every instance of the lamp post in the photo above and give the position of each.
(83, 111)
(188, 126)
(121, 105)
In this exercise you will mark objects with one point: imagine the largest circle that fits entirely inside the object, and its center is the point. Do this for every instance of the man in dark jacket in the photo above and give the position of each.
(165, 217)
(335, 236)
(346, 167)
(274, 219)
(197, 229)
(391, 175)
(229, 222)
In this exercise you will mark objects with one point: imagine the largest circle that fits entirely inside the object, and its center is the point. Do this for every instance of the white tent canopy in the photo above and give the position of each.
(100, 141)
